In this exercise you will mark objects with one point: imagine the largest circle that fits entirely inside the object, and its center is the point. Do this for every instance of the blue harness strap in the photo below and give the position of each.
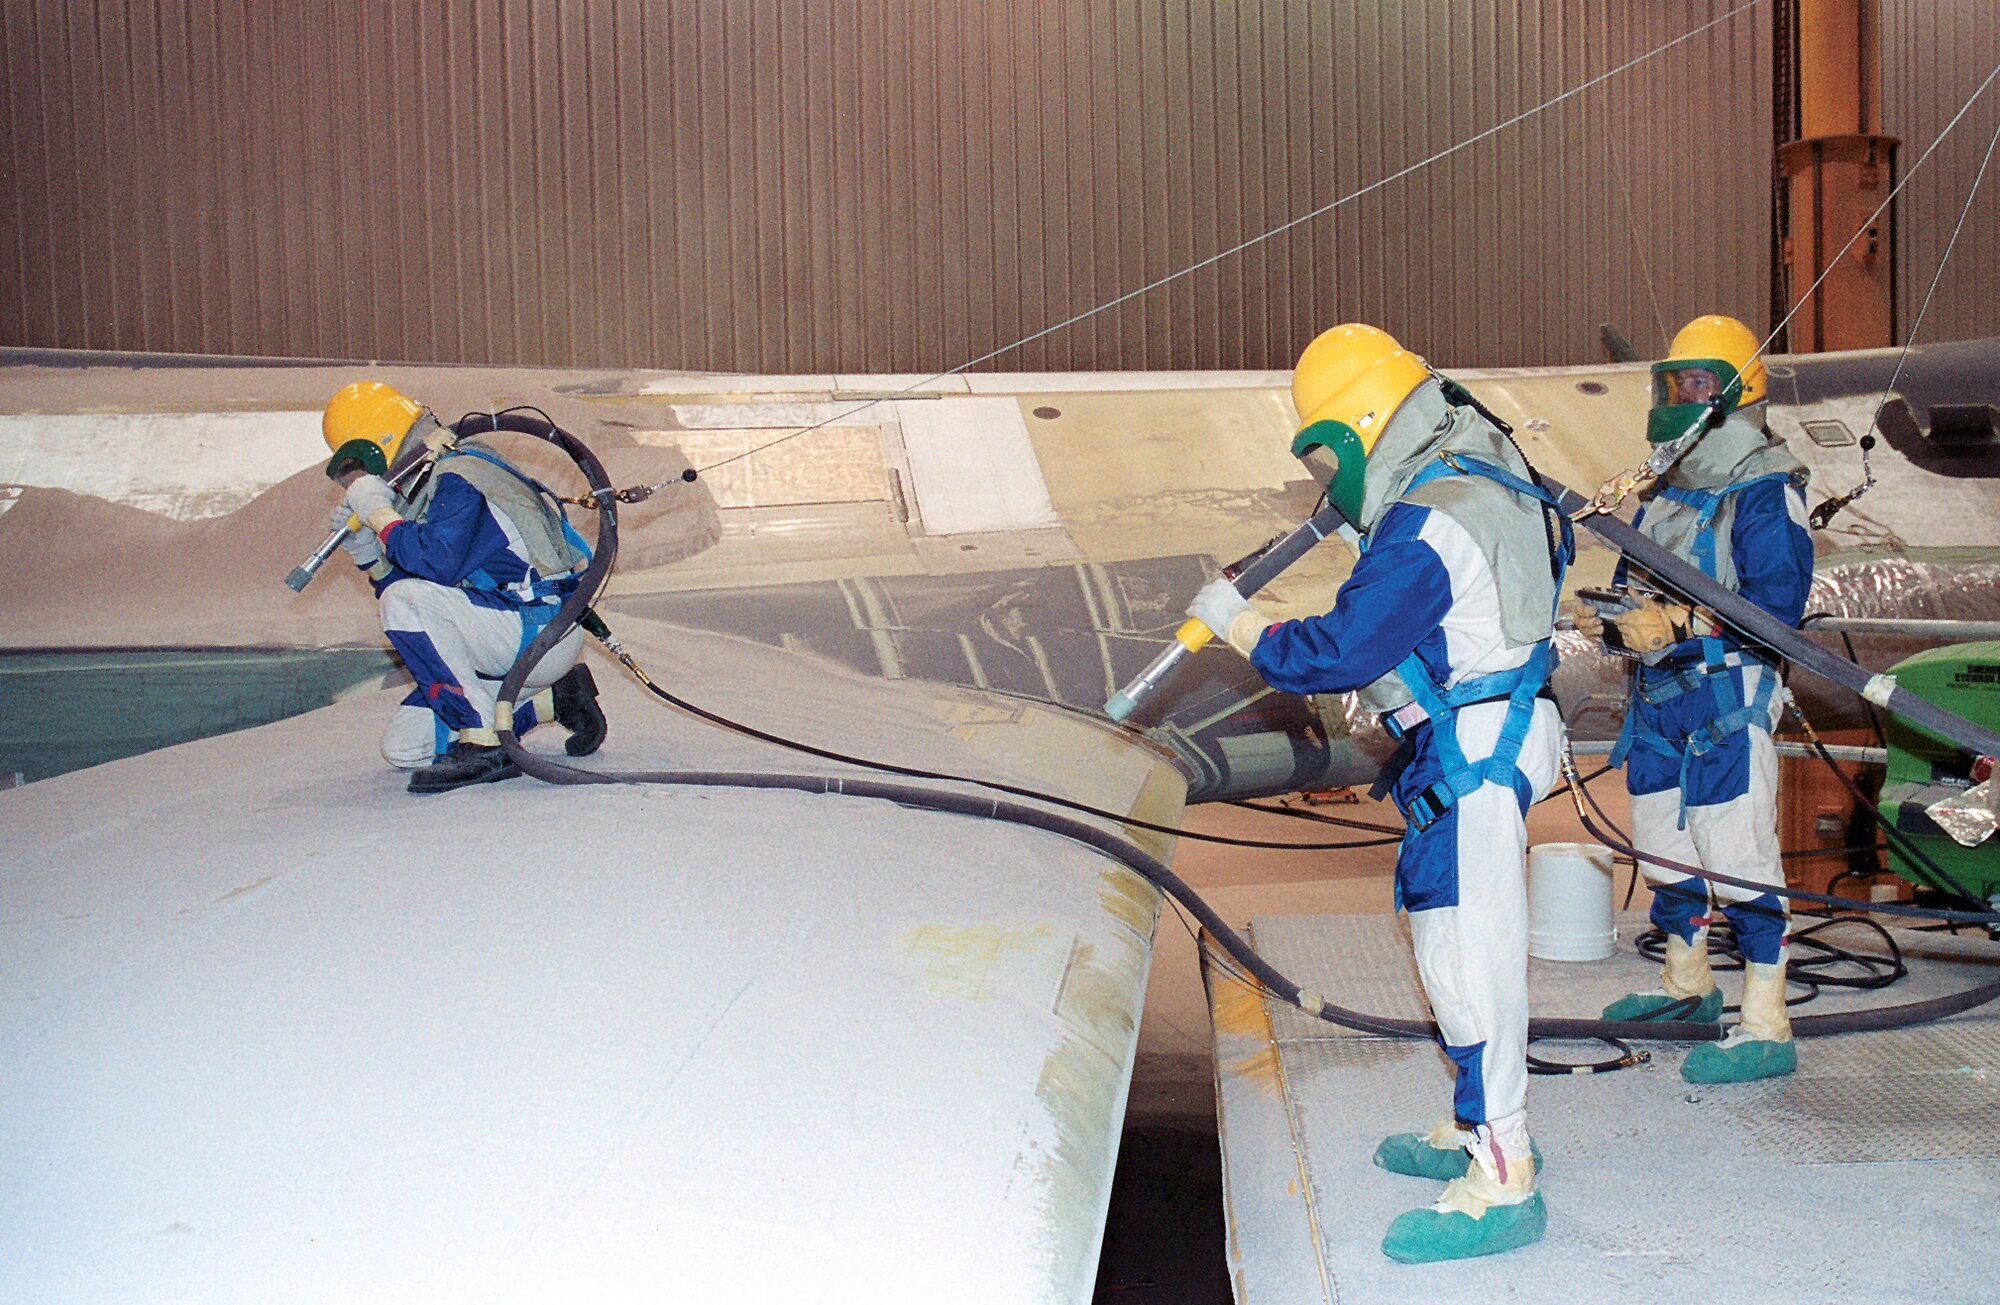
(1706, 504)
(1654, 685)
(539, 589)
(1520, 686)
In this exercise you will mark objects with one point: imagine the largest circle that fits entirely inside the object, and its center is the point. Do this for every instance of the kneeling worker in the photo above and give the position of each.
(469, 569)
(1444, 626)
(1699, 761)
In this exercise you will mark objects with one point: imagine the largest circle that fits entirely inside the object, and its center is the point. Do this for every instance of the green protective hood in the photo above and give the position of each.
(1737, 451)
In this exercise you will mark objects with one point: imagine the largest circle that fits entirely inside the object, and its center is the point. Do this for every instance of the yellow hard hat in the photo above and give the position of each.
(364, 424)
(1713, 356)
(1347, 385)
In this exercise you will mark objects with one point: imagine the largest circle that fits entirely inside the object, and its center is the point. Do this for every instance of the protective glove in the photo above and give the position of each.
(361, 544)
(1656, 624)
(1228, 615)
(1585, 619)
(371, 499)
(1217, 605)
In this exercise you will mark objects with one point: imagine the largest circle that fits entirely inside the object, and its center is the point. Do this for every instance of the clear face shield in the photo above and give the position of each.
(1334, 456)
(1684, 394)
(1697, 383)
(1322, 464)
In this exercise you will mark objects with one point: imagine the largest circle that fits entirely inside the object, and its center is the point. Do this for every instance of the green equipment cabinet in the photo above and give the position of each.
(1964, 679)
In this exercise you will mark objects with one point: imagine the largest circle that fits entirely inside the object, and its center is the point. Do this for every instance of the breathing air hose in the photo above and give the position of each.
(979, 806)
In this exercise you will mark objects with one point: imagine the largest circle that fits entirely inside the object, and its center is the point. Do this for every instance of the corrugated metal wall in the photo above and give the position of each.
(1935, 54)
(805, 185)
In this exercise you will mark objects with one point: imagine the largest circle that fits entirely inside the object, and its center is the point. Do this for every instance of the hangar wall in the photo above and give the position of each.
(808, 185)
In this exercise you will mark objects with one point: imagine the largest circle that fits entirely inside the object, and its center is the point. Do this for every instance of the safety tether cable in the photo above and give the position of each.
(1881, 208)
(1615, 490)
(1936, 276)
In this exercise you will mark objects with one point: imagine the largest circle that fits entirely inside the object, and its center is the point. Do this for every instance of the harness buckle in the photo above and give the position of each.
(1428, 807)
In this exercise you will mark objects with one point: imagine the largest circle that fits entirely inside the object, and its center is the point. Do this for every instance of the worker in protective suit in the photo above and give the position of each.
(1697, 750)
(469, 568)
(1444, 628)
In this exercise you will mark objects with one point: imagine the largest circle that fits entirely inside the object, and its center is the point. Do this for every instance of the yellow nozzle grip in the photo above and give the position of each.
(1194, 636)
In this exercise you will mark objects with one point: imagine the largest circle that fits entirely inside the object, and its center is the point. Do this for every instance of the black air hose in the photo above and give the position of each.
(1147, 866)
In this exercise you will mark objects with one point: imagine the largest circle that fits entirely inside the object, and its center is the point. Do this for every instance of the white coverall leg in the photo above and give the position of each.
(459, 650)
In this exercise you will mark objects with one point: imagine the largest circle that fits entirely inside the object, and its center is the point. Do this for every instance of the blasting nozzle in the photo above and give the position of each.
(1249, 574)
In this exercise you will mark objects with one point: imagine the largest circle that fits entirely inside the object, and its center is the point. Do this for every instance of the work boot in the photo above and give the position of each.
(577, 711)
(1685, 974)
(1493, 1208)
(1760, 1046)
(1438, 1155)
(466, 763)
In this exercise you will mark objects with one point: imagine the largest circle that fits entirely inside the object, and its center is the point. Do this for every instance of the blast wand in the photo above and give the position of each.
(302, 574)
(1248, 574)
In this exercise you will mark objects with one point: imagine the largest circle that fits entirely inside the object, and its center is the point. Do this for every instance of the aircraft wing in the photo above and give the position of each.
(274, 1028)
(1032, 535)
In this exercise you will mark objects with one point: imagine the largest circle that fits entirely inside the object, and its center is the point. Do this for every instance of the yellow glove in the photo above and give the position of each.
(1585, 619)
(1654, 625)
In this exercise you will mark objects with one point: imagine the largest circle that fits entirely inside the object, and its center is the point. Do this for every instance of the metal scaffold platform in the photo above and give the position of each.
(1870, 1175)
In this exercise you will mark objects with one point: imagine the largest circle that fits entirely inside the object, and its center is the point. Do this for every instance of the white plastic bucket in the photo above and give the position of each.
(1569, 902)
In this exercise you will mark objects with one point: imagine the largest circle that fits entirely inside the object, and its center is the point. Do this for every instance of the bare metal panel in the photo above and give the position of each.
(1935, 54)
(804, 185)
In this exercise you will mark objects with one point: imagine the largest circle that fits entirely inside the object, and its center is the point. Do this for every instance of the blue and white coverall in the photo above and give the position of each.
(1701, 769)
(459, 604)
(1424, 586)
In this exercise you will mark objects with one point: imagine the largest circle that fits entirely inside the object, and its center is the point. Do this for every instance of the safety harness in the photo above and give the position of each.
(1655, 685)
(1438, 704)
(537, 589)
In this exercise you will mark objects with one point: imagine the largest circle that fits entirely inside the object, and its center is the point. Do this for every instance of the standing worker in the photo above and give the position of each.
(1444, 627)
(469, 569)
(1699, 761)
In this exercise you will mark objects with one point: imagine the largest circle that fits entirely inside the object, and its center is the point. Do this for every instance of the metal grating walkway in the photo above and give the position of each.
(1873, 1174)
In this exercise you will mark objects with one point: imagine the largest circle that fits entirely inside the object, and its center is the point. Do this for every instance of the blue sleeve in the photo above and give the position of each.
(1772, 551)
(456, 535)
(1397, 595)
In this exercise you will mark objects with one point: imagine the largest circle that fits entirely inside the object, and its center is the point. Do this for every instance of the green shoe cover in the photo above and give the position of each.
(1712, 1062)
(1642, 1005)
(1409, 1154)
(1426, 1235)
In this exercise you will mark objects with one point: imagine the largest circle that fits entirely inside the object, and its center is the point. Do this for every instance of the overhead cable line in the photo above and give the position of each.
(1881, 208)
(1239, 247)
